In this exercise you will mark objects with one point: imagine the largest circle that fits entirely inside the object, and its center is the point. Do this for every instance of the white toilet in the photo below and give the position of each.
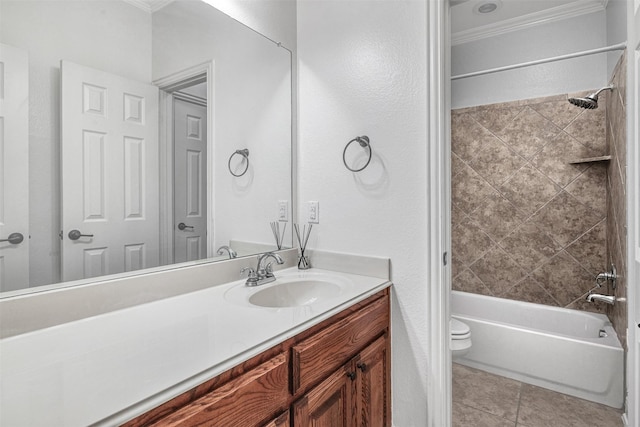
(460, 338)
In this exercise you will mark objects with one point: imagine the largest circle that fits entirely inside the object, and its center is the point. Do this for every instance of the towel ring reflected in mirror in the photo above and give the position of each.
(245, 155)
(364, 143)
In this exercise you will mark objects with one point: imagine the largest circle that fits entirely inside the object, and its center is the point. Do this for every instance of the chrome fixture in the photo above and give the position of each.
(14, 238)
(76, 234)
(231, 252)
(589, 102)
(262, 274)
(608, 276)
(364, 143)
(609, 299)
(245, 157)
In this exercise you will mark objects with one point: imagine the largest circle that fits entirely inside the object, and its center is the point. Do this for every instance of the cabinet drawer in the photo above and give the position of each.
(316, 357)
(247, 400)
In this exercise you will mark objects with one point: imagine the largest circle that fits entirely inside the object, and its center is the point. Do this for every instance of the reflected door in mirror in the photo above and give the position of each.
(109, 173)
(190, 180)
(14, 168)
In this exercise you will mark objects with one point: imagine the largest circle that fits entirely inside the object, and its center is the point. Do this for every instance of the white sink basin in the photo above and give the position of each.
(295, 290)
(294, 294)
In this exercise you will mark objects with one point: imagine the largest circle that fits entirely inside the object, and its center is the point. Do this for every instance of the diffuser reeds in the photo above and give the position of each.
(275, 228)
(303, 261)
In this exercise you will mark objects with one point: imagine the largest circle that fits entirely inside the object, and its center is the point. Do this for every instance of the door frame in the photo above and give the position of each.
(632, 403)
(204, 72)
(438, 214)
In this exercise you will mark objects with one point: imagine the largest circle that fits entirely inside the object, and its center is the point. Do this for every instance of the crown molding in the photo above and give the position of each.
(149, 6)
(570, 10)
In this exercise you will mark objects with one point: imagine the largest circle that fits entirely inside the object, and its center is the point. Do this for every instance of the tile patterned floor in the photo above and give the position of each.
(481, 399)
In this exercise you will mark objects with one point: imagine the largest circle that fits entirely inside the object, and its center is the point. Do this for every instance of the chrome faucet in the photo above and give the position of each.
(231, 252)
(262, 274)
(609, 299)
(608, 276)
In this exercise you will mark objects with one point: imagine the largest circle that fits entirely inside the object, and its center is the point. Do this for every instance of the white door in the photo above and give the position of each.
(14, 168)
(190, 180)
(633, 192)
(110, 175)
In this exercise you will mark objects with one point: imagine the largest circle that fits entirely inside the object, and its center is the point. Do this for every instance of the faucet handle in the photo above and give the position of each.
(269, 269)
(252, 272)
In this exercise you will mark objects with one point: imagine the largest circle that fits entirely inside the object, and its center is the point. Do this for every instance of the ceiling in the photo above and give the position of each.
(468, 24)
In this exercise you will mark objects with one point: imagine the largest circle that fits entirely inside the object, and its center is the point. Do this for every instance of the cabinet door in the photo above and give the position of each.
(330, 403)
(373, 382)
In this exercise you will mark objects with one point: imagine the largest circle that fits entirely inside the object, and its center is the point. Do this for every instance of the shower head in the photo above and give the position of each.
(589, 102)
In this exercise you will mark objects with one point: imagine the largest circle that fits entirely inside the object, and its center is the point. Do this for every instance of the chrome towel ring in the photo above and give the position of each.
(245, 154)
(364, 142)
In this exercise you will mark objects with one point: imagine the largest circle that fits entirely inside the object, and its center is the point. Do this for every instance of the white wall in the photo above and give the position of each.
(251, 110)
(110, 35)
(273, 18)
(540, 42)
(616, 20)
(362, 71)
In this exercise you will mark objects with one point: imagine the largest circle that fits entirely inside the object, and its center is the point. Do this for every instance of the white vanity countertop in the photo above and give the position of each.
(109, 368)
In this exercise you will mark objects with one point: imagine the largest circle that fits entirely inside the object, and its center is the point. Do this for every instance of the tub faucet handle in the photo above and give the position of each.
(608, 276)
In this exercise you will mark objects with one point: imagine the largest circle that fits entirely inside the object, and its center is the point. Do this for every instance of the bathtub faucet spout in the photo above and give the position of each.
(609, 299)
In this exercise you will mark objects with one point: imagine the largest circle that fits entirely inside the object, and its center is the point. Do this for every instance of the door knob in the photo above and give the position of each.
(183, 226)
(14, 238)
(76, 234)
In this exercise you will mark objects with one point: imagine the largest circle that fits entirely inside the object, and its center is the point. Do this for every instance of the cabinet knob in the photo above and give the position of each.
(362, 366)
(351, 375)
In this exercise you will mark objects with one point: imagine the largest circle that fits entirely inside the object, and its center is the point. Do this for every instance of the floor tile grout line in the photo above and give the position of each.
(519, 402)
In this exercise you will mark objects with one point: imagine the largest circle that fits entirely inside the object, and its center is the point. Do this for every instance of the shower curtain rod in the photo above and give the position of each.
(620, 46)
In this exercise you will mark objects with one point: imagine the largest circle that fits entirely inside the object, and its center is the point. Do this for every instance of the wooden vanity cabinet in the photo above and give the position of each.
(373, 384)
(354, 395)
(336, 373)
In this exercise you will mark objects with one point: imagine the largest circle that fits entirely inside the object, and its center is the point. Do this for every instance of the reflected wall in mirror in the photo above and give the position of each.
(121, 122)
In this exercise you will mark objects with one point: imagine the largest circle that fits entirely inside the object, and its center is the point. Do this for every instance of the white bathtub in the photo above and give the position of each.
(550, 347)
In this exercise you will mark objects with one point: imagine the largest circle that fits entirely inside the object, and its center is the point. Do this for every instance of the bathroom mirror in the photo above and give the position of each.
(148, 133)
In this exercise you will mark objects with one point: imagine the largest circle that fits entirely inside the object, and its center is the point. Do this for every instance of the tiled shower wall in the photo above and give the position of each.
(526, 223)
(616, 194)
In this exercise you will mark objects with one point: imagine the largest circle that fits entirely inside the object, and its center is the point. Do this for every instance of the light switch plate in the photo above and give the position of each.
(283, 210)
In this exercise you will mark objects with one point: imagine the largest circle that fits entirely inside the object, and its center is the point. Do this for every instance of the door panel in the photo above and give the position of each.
(374, 385)
(109, 173)
(14, 167)
(190, 180)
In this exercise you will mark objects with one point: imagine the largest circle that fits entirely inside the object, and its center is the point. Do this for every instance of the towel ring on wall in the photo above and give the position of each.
(245, 154)
(364, 142)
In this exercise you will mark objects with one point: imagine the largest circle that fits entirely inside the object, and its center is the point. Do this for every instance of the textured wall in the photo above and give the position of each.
(527, 225)
(362, 68)
(616, 194)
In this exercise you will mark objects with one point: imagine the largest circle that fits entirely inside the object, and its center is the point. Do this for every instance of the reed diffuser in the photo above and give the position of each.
(303, 261)
(275, 228)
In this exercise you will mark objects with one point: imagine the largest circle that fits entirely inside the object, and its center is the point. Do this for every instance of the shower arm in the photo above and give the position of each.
(610, 87)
